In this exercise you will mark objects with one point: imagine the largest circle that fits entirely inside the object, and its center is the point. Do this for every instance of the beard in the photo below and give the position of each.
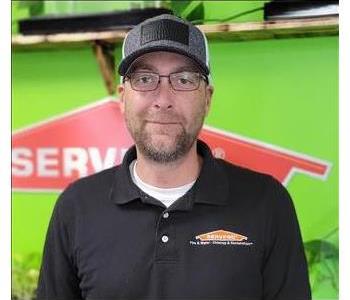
(164, 145)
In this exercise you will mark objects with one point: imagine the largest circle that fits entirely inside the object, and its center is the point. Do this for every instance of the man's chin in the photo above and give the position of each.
(163, 143)
(161, 149)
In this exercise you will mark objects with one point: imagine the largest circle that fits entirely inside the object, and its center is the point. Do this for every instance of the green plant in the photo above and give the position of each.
(323, 261)
(25, 273)
(35, 8)
(189, 10)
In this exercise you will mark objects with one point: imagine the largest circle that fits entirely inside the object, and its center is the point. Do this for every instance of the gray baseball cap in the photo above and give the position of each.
(165, 33)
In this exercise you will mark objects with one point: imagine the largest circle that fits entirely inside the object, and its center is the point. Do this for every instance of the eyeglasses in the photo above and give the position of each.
(180, 81)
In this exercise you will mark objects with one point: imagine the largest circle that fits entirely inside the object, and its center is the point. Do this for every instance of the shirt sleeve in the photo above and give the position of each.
(58, 274)
(285, 273)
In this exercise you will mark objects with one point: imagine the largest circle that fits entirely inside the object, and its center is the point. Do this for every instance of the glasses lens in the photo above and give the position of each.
(185, 81)
(141, 81)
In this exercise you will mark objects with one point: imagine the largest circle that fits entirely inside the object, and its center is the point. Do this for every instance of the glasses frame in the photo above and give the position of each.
(127, 77)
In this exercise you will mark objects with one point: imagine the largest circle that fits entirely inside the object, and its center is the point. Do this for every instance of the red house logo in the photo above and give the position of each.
(53, 153)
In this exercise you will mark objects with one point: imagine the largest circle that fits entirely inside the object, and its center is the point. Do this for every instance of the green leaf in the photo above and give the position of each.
(189, 10)
(323, 262)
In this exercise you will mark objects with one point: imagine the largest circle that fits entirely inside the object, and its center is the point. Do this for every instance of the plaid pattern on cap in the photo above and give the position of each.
(165, 33)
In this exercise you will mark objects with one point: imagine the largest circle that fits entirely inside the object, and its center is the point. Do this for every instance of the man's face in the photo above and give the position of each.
(164, 123)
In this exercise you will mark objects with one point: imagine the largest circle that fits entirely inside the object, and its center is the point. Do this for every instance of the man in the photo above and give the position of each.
(172, 222)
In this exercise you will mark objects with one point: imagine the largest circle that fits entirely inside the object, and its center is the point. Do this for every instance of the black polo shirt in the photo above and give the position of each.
(233, 235)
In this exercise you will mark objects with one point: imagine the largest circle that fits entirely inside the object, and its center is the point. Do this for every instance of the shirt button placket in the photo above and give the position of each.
(165, 248)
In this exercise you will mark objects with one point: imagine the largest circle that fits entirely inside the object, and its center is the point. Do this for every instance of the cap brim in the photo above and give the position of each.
(127, 61)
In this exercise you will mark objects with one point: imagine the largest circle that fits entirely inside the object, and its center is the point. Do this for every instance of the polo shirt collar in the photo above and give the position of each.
(211, 187)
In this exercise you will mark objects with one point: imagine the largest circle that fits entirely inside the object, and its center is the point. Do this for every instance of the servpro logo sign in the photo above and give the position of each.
(221, 237)
(49, 155)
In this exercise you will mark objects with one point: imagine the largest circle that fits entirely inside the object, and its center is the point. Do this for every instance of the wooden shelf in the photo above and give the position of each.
(293, 28)
(233, 31)
(104, 43)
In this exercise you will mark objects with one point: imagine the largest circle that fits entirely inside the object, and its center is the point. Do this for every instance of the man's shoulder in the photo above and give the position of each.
(87, 189)
(235, 172)
(99, 180)
(248, 181)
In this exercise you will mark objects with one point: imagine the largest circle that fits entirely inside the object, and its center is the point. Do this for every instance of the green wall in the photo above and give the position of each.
(285, 92)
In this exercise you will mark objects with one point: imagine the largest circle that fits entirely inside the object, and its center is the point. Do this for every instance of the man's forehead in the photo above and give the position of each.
(154, 60)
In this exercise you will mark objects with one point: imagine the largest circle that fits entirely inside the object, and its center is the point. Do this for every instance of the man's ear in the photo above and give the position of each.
(120, 91)
(209, 90)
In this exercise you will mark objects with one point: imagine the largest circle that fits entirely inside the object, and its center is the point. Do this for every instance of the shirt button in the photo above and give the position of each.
(166, 215)
(165, 239)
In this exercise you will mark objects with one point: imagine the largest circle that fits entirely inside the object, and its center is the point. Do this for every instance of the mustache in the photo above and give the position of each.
(163, 118)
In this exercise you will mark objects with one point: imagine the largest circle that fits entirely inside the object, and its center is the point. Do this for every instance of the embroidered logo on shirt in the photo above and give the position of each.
(221, 237)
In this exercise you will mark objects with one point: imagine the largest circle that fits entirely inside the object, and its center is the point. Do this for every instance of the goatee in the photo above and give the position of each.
(183, 143)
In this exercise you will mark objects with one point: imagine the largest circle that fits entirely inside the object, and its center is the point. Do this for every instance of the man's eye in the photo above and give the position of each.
(184, 78)
(143, 79)
(184, 81)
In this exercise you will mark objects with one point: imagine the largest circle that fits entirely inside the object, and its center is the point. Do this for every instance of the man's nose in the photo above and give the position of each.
(164, 94)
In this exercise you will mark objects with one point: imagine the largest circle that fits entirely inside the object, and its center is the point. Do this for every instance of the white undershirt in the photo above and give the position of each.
(166, 195)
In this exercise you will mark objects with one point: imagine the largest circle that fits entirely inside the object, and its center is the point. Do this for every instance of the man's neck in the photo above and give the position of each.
(170, 175)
